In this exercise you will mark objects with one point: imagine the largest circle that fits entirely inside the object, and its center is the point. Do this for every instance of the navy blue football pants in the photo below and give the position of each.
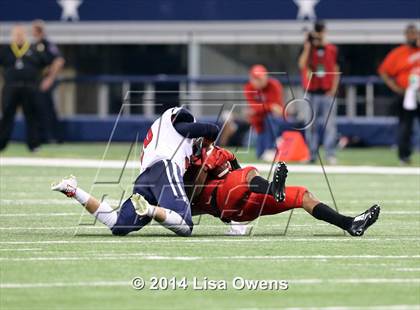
(161, 184)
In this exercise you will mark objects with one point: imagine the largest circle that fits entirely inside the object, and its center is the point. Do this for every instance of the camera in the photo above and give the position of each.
(319, 26)
(315, 35)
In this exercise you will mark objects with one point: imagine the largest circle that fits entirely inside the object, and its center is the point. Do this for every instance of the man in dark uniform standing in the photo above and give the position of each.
(22, 67)
(49, 124)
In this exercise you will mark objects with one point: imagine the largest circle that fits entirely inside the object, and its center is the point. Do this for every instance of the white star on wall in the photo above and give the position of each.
(306, 9)
(70, 9)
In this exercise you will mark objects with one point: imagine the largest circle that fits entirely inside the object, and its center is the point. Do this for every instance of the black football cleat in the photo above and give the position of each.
(363, 221)
(279, 182)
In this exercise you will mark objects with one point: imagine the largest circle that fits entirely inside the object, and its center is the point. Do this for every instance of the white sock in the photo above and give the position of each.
(237, 229)
(176, 223)
(151, 211)
(106, 215)
(81, 196)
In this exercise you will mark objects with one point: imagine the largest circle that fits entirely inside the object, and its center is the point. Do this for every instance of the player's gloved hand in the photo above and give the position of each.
(226, 153)
(217, 157)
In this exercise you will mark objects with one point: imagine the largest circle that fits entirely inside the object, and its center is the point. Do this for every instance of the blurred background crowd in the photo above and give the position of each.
(339, 77)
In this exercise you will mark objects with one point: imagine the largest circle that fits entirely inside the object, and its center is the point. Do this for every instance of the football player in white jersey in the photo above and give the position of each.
(159, 189)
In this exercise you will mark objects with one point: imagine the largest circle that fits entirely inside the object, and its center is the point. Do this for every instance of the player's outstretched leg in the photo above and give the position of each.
(364, 220)
(167, 218)
(101, 210)
(276, 187)
(355, 226)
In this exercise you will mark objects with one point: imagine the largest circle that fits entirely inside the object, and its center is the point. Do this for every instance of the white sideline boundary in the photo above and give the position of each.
(291, 282)
(119, 164)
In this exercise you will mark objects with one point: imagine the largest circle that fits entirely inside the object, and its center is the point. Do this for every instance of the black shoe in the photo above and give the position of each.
(279, 182)
(364, 220)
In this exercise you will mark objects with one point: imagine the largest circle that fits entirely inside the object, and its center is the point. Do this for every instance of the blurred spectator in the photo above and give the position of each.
(235, 130)
(50, 127)
(400, 71)
(320, 77)
(22, 65)
(265, 100)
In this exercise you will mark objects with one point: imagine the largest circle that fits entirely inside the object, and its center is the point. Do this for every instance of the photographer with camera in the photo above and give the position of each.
(320, 77)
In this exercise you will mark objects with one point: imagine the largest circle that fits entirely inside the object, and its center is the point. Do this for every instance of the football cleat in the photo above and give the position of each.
(140, 204)
(363, 221)
(279, 182)
(67, 186)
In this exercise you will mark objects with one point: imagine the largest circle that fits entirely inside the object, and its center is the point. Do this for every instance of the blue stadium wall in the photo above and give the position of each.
(370, 131)
(202, 10)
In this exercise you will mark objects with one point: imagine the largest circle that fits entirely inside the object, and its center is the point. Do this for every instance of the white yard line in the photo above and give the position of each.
(113, 202)
(356, 281)
(55, 228)
(49, 202)
(38, 202)
(135, 256)
(38, 214)
(21, 250)
(118, 164)
(407, 269)
(92, 225)
(64, 284)
(291, 282)
(388, 307)
(142, 240)
(414, 212)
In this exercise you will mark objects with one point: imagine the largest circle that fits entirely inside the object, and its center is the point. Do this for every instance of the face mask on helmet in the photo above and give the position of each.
(197, 146)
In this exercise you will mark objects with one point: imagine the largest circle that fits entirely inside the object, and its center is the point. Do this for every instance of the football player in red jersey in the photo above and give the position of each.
(218, 186)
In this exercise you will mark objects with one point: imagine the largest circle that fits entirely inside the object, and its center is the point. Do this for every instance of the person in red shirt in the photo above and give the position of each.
(265, 101)
(319, 67)
(400, 71)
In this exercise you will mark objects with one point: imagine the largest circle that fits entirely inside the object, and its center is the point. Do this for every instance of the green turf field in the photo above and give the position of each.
(52, 256)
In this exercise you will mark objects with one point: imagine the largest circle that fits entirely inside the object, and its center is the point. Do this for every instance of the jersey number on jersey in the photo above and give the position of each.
(146, 141)
(148, 138)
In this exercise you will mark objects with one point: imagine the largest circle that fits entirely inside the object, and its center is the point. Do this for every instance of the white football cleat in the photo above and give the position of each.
(67, 186)
(237, 229)
(140, 204)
